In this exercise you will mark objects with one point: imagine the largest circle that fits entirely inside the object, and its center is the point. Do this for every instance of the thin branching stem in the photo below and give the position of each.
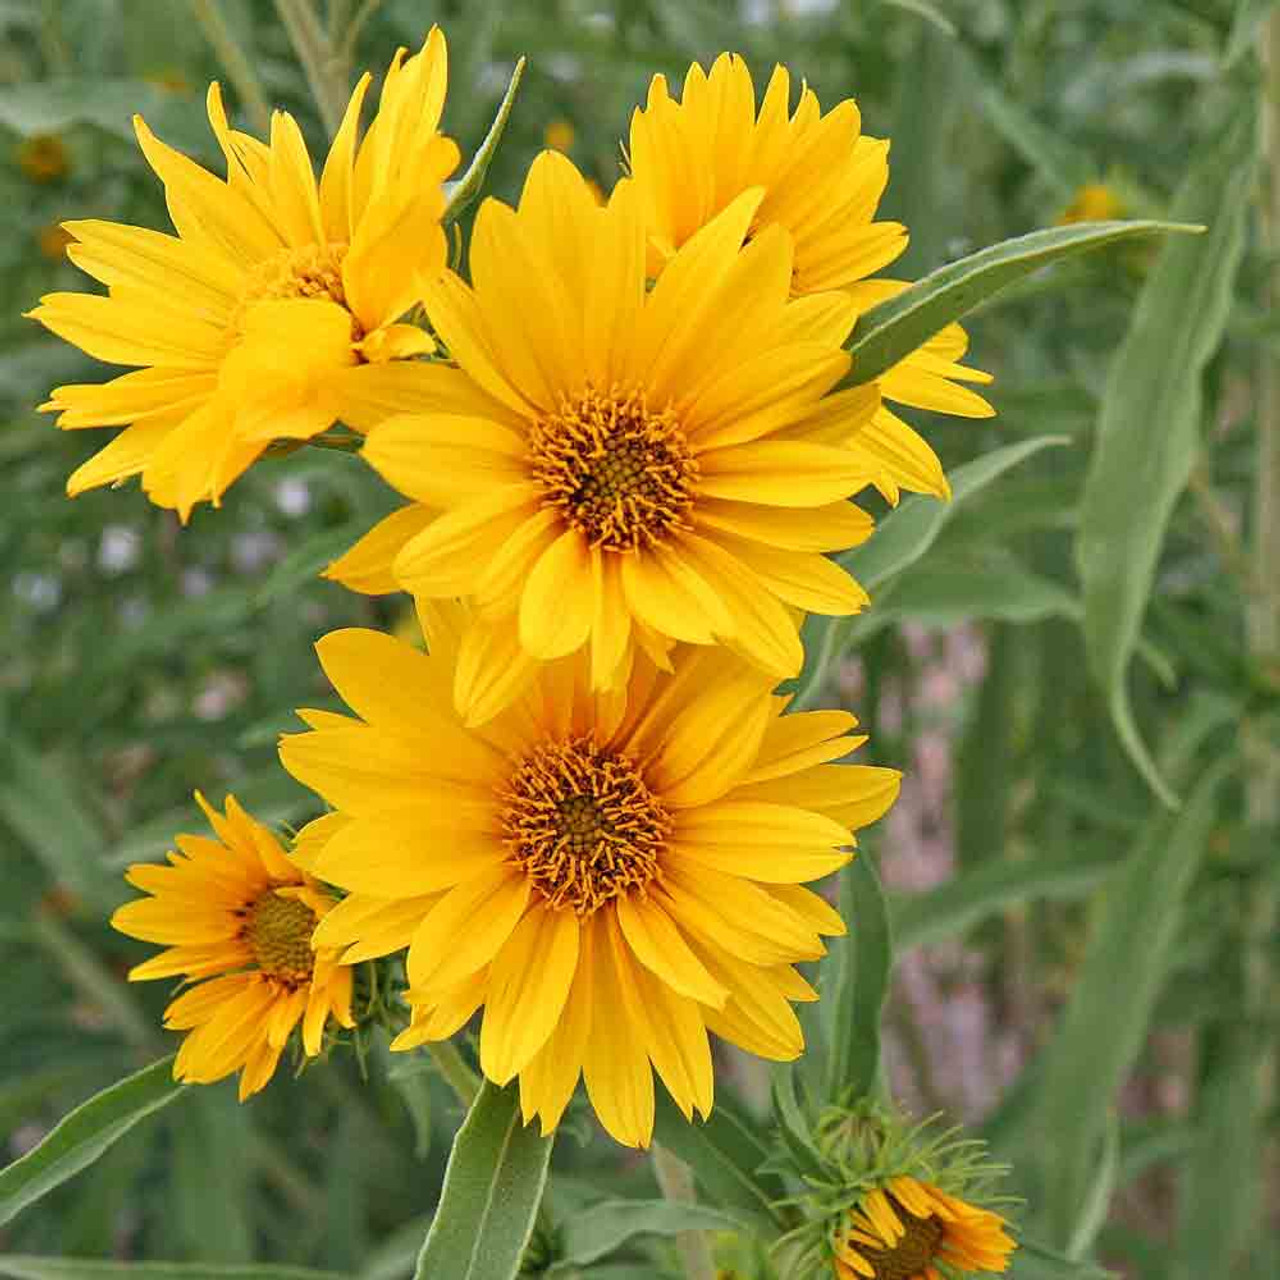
(240, 71)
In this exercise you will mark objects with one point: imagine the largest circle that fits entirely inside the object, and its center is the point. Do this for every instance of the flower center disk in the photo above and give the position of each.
(278, 932)
(619, 473)
(582, 825)
(314, 271)
(913, 1253)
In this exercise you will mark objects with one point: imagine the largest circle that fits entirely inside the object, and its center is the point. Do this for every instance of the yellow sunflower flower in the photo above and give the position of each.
(823, 178)
(618, 467)
(910, 1229)
(236, 917)
(1093, 202)
(610, 876)
(276, 308)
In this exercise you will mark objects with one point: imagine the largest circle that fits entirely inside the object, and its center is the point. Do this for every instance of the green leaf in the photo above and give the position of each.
(307, 559)
(958, 905)
(726, 1156)
(83, 1135)
(791, 1121)
(493, 1186)
(1220, 1192)
(596, 1232)
(862, 962)
(44, 807)
(901, 539)
(210, 1182)
(411, 1078)
(887, 333)
(1034, 1262)
(1149, 428)
(1105, 1022)
(464, 192)
(1097, 1204)
(23, 1267)
(1245, 25)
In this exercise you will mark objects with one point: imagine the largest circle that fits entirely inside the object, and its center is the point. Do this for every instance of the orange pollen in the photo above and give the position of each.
(914, 1252)
(278, 931)
(580, 822)
(311, 272)
(618, 472)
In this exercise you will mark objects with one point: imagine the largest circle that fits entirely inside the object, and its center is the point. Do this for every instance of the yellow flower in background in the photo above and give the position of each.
(558, 135)
(609, 876)
(617, 468)
(1093, 202)
(236, 917)
(910, 1229)
(43, 157)
(275, 309)
(823, 178)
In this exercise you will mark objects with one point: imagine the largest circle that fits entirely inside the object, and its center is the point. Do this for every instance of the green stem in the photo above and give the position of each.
(453, 1067)
(244, 79)
(1262, 776)
(676, 1184)
(322, 64)
(355, 26)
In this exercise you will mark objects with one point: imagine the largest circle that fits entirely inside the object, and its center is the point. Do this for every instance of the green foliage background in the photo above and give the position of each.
(1123, 951)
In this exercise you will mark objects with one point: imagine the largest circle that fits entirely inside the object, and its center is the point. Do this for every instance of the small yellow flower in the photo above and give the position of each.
(609, 877)
(614, 468)
(559, 135)
(237, 917)
(822, 179)
(1093, 202)
(43, 158)
(277, 307)
(52, 241)
(909, 1229)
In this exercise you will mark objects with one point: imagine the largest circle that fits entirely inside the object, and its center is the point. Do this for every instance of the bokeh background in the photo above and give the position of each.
(140, 660)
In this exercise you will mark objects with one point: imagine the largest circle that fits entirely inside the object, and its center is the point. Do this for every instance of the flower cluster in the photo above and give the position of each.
(626, 442)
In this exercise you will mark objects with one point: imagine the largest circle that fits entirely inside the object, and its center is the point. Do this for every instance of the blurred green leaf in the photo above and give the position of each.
(1221, 1189)
(901, 539)
(411, 1078)
(929, 12)
(21, 1267)
(1035, 1262)
(887, 333)
(492, 1189)
(1149, 428)
(40, 802)
(1097, 1203)
(1105, 1022)
(1245, 25)
(955, 907)
(51, 106)
(726, 1155)
(211, 1185)
(83, 1135)
(861, 965)
(305, 561)
(596, 1232)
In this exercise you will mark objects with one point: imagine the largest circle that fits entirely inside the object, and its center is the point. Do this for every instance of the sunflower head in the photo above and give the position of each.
(616, 469)
(897, 1202)
(277, 307)
(236, 916)
(609, 876)
(821, 176)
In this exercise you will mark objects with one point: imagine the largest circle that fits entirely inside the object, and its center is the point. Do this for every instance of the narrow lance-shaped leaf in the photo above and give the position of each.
(82, 1136)
(726, 1156)
(902, 538)
(466, 190)
(1149, 428)
(1033, 1261)
(1106, 1019)
(864, 957)
(493, 1185)
(596, 1232)
(887, 333)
